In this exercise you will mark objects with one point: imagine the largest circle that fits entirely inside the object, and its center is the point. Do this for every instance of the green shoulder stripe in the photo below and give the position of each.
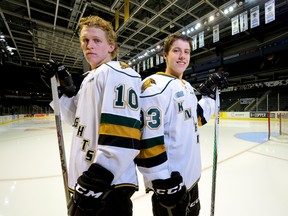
(149, 143)
(119, 120)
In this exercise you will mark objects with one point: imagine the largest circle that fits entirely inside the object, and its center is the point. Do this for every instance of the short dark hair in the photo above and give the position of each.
(172, 38)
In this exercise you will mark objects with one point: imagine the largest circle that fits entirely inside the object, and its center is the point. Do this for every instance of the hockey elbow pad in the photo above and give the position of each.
(91, 189)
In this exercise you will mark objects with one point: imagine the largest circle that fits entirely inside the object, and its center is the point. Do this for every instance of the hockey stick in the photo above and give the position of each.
(60, 135)
(215, 153)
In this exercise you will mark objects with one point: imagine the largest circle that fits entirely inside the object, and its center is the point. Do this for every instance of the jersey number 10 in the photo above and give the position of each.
(131, 100)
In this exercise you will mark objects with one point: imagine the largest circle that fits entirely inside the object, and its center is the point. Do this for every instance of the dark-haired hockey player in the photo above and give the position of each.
(170, 151)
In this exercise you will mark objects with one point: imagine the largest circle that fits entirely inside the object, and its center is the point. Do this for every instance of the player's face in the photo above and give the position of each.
(95, 46)
(178, 58)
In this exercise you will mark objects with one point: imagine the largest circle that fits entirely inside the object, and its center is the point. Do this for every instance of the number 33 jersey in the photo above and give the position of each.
(105, 115)
(170, 116)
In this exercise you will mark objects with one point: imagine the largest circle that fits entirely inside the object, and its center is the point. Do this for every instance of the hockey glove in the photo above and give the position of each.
(218, 79)
(91, 189)
(170, 196)
(52, 68)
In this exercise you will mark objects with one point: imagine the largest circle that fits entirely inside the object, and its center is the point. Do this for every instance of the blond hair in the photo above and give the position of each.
(97, 22)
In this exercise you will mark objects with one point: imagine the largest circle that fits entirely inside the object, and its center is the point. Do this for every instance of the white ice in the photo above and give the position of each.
(252, 177)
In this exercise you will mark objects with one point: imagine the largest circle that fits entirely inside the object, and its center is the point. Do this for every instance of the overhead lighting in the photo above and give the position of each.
(30, 32)
(211, 18)
(198, 25)
(36, 59)
(10, 49)
(2, 38)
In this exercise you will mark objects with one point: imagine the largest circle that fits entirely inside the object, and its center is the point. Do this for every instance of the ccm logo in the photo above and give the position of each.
(170, 191)
(88, 193)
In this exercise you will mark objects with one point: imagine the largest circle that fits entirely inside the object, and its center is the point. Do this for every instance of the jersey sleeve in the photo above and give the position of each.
(119, 131)
(152, 160)
(205, 110)
(67, 108)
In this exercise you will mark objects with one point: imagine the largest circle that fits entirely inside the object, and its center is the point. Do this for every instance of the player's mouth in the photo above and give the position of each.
(90, 53)
(181, 62)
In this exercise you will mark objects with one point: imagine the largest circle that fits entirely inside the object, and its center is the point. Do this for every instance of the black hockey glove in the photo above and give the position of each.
(218, 79)
(170, 196)
(52, 68)
(91, 189)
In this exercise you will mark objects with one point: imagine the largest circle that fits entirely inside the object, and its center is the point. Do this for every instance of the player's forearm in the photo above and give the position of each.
(116, 160)
(67, 109)
(208, 108)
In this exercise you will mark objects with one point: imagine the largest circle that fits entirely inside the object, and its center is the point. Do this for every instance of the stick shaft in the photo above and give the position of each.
(60, 136)
(215, 152)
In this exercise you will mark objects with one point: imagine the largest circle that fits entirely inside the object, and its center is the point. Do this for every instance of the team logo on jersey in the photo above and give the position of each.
(179, 94)
(148, 83)
(124, 65)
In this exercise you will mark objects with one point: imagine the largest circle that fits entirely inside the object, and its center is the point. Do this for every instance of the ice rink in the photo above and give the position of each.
(252, 173)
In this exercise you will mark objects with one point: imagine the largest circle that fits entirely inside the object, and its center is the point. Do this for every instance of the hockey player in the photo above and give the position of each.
(170, 115)
(105, 115)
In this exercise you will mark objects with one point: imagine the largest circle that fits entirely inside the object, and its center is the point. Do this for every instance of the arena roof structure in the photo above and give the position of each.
(36, 31)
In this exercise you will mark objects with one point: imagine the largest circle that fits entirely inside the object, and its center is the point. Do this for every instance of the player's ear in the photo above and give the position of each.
(164, 55)
(111, 47)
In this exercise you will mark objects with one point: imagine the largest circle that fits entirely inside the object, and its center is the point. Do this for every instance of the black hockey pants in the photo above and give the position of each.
(119, 202)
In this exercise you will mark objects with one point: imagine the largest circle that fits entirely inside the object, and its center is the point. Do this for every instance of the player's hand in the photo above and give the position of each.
(50, 69)
(172, 193)
(90, 191)
(218, 79)
(57, 69)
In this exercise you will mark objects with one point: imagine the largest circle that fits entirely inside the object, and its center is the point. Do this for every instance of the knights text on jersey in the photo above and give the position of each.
(170, 116)
(106, 123)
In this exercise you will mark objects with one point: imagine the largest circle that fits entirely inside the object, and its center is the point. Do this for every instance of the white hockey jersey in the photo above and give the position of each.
(105, 115)
(170, 117)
